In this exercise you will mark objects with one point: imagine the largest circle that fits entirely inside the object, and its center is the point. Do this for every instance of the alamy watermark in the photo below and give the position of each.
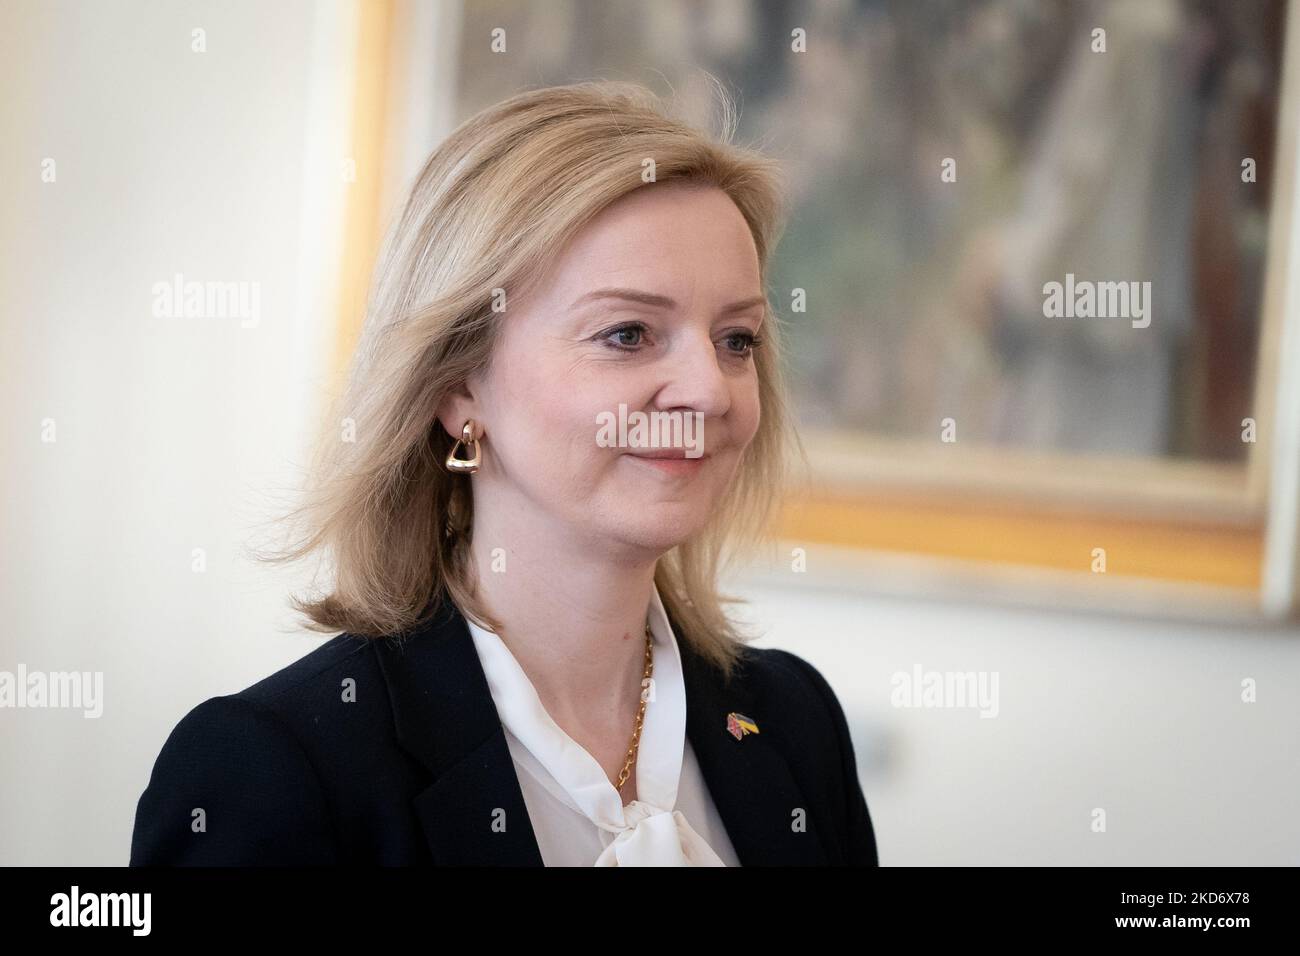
(651, 430)
(1098, 300)
(57, 689)
(955, 689)
(75, 908)
(179, 299)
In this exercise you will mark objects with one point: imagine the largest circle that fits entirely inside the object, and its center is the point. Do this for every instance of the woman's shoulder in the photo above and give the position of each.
(295, 703)
(258, 769)
(806, 721)
(279, 702)
(776, 674)
(327, 666)
(231, 774)
(336, 657)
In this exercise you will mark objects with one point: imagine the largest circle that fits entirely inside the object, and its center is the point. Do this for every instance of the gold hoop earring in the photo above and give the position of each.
(465, 466)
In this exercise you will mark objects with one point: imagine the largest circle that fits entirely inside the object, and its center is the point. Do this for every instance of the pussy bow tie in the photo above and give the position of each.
(651, 836)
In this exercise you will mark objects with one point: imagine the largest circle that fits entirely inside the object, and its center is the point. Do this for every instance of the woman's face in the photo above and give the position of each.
(653, 307)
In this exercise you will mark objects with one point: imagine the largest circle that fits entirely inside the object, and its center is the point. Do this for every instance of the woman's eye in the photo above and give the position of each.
(741, 343)
(626, 337)
(630, 338)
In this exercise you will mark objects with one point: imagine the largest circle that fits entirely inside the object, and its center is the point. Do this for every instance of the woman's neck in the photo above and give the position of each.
(572, 617)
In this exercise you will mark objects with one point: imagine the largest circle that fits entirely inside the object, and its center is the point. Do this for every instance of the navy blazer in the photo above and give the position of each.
(416, 770)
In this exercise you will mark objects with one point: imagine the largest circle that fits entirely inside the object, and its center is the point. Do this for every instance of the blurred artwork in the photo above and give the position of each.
(947, 161)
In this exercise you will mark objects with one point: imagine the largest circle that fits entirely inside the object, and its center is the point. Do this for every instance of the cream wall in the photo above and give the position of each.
(1135, 715)
(170, 432)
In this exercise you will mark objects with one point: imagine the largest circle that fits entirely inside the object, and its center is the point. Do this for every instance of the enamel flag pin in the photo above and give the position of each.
(738, 725)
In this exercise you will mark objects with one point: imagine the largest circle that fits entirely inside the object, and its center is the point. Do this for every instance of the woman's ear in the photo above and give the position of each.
(456, 408)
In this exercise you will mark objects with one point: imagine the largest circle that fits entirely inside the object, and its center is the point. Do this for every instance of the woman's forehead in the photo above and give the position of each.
(660, 252)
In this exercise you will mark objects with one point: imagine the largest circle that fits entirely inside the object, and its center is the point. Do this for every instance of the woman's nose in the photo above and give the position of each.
(696, 380)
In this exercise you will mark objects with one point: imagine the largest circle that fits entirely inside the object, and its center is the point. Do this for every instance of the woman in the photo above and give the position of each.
(535, 667)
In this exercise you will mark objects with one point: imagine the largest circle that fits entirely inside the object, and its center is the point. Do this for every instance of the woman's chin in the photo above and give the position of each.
(661, 528)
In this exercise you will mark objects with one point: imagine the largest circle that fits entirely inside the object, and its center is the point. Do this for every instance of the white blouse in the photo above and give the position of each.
(577, 814)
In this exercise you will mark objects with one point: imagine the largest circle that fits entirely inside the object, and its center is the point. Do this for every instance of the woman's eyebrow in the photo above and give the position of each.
(659, 301)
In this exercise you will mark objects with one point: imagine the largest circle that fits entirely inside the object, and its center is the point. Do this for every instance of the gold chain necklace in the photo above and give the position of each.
(640, 714)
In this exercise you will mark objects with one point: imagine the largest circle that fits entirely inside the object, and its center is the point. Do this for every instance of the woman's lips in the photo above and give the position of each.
(671, 461)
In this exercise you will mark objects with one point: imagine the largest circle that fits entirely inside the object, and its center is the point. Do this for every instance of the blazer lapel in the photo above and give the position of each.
(749, 779)
(473, 814)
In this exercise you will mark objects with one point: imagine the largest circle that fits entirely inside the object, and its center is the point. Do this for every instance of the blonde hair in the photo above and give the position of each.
(490, 209)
